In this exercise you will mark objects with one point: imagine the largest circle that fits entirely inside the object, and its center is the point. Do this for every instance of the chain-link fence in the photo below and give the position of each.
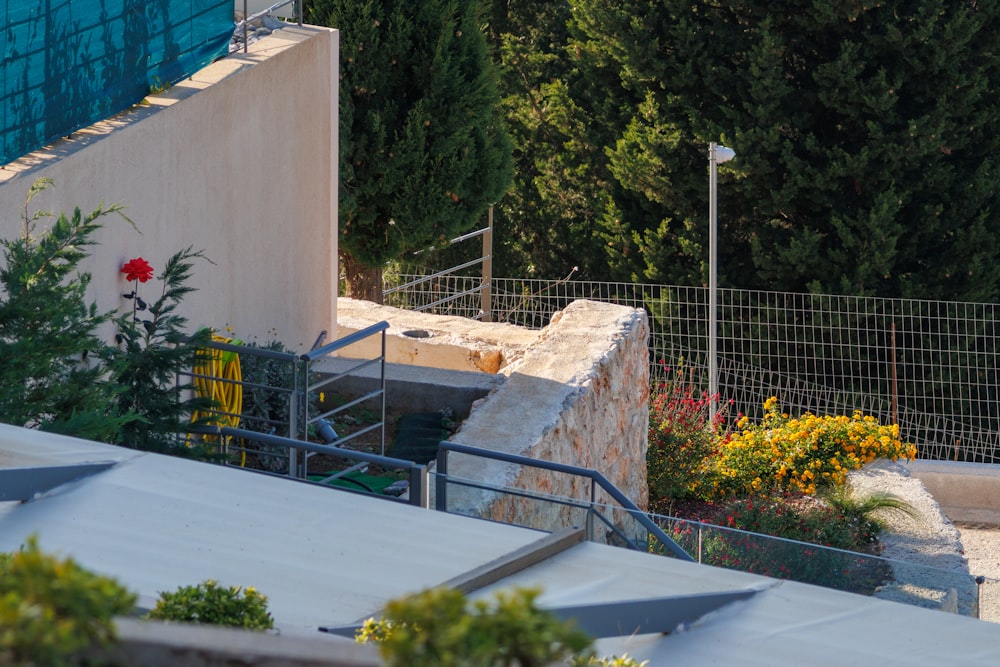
(930, 366)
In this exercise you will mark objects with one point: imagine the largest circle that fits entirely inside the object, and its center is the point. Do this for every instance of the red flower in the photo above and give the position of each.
(137, 269)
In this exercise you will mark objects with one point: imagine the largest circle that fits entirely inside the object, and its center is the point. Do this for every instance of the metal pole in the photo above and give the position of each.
(486, 294)
(713, 372)
(246, 16)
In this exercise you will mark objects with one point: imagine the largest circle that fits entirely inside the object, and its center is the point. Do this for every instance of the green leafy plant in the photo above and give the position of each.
(212, 604)
(438, 628)
(51, 377)
(624, 660)
(51, 608)
(152, 352)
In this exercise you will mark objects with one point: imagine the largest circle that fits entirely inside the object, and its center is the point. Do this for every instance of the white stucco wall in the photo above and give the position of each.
(240, 161)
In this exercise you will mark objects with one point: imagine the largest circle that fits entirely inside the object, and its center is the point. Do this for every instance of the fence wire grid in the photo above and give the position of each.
(930, 366)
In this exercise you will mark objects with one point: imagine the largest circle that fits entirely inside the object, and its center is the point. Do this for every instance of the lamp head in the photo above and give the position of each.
(723, 154)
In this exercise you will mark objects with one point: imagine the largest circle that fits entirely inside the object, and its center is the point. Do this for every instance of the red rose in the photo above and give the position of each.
(137, 269)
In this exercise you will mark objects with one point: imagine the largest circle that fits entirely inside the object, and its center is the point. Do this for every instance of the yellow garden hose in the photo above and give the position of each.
(218, 377)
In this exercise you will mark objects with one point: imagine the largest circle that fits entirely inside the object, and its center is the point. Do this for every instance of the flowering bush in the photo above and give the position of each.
(801, 454)
(151, 353)
(683, 433)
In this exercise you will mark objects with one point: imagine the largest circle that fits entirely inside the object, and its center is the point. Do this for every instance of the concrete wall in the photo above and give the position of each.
(239, 161)
(966, 492)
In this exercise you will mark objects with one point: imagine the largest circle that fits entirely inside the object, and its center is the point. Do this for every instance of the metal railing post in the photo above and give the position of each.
(441, 481)
(486, 292)
(590, 512)
(382, 384)
(419, 491)
(293, 424)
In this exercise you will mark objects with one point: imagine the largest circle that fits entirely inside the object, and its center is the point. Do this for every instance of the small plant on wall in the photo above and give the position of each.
(210, 603)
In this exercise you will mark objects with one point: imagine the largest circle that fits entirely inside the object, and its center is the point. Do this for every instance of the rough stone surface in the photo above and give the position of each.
(578, 396)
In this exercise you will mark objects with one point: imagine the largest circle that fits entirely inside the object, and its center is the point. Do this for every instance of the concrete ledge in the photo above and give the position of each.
(439, 341)
(155, 644)
(413, 388)
(966, 492)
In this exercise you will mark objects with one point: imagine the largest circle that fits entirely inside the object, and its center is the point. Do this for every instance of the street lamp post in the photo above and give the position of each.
(716, 155)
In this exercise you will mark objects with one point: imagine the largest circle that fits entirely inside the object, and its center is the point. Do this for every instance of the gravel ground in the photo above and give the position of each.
(933, 558)
(982, 548)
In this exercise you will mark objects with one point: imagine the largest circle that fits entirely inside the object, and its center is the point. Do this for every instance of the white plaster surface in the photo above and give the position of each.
(239, 161)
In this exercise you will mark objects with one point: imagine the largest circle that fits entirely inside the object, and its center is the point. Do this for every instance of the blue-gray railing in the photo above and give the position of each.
(304, 385)
(416, 474)
(596, 480)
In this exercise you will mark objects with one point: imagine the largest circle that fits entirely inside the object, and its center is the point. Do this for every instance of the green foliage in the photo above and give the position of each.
(683, 435)
(212, 604)
(152, 350)
(755, 479)
(864, 145)
(423, 149)
(624, 660)
(51, 608)
(51, 377)
(437, 628)
(58, 375)
(559, 213)
(799, 560)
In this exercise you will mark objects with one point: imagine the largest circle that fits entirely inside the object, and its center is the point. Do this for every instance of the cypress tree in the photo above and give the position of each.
(423, 149)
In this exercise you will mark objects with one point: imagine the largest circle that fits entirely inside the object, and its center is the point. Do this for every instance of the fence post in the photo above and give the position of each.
(486, 292)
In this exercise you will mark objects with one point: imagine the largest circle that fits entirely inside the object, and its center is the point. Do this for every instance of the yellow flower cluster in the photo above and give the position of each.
(799, 454)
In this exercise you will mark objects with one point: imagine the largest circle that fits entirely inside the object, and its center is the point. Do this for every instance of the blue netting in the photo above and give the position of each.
(69, 63)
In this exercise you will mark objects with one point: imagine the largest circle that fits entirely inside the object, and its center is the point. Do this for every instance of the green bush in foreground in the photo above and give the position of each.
(438, 628)
(212, 604)
(51, 608)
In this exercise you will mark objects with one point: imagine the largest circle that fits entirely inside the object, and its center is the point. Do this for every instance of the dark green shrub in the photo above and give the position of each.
(51, 608)
(51, 377)
(212, 604)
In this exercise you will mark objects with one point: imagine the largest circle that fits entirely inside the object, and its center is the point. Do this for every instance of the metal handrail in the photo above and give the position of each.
(565, 502)
(485, 288)
(597, 478)
(313, 355)
(417, 474)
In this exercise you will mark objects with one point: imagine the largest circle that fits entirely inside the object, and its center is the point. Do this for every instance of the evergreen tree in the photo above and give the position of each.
(423, 149)
(51, 375)
(552, 219)
(865, 136)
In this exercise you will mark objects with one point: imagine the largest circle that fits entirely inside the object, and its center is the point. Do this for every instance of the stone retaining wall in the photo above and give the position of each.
(578, 396)
(575, 392)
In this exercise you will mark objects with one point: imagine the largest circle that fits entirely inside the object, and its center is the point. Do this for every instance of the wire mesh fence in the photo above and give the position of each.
(930, 366)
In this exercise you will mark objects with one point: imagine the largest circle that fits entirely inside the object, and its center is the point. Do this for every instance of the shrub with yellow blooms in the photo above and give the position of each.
(798, 454)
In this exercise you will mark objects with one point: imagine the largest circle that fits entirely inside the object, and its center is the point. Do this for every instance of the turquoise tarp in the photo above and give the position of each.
(69, 63)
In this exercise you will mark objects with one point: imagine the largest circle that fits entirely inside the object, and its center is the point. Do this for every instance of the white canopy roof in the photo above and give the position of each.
(326, 557)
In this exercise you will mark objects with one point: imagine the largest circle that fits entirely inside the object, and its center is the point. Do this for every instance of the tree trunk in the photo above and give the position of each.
(362, 282)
